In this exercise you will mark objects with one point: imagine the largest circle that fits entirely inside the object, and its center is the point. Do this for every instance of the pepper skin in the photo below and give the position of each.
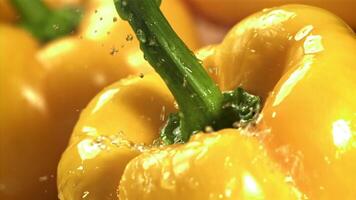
(303, 68)
(71, 71)
(285, 56)
(26, 163)
(231, 11)
(221, 165)
(100, 148)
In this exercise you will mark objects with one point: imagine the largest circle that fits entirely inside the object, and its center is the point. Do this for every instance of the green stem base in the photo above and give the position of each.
(46, 24)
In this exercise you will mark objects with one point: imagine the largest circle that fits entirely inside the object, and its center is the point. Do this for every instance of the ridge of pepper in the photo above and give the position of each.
(201, 103)
(46, 24)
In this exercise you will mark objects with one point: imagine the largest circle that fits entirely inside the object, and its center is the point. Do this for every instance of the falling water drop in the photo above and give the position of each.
(129, 37)
(85, 194)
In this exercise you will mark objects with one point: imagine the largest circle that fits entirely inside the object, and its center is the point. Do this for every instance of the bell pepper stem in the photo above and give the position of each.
(200, 101)
(46, 24)
(198, 97)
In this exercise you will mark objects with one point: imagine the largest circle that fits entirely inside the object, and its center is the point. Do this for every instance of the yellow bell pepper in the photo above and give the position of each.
(27, 145)
(301, 146)
(43, 90)
(299, 60)
(231, 11)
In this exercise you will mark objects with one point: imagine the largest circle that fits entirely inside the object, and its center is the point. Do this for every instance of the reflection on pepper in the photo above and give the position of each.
(251, 188)
(34, 98)
(296, 76)
(342, 135)
(88, 149)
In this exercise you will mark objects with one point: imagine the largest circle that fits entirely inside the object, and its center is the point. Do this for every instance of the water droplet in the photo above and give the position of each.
(266, 10)
(168, 181)
(303, 32)
(162, 115)
(129, 37)
(288, 179)
(99, 139)
(208, 129)
(114, 51)
(228, 192)
(213, 70)
(274, 115)
(152, 42)
(101, 18)
(327, 160)
(239, 124)
(85, 194)
(140, 147)
(193, 183)
(102, 146)
(124, 3)
(184, 82)
(141, 36)
(43, 178)
(228, 162)
(157, 142)
(141, 75)
(176, 106)
(114, 19)
(193, 95)
(55, 26)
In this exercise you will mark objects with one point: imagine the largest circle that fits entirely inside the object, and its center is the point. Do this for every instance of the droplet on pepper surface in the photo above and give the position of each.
(129, 37)
(114, 51)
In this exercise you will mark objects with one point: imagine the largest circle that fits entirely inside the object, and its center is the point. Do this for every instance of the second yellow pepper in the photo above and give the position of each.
(231, 11)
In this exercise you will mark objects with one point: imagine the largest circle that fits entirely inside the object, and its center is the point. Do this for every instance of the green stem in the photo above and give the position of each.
(200, 101)
(198, 97)
(44, 23)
